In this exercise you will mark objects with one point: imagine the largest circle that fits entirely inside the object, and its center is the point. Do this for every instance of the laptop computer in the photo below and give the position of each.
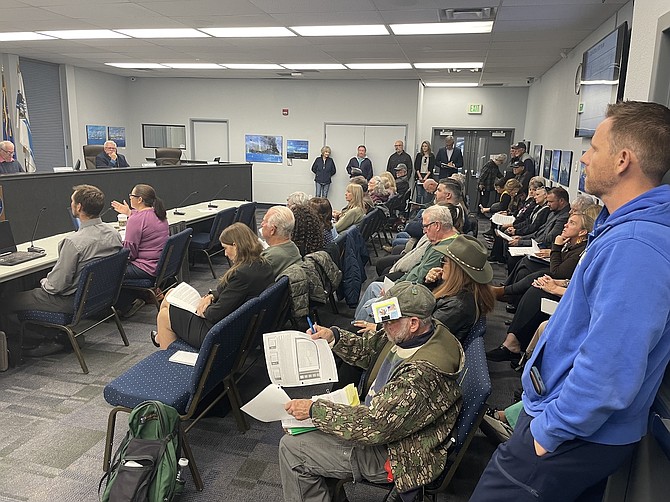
(8, 253)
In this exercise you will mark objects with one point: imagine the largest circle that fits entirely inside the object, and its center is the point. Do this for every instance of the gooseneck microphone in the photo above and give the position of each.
(211, 205)
(33, 248)
(176, 210)
(105, 212)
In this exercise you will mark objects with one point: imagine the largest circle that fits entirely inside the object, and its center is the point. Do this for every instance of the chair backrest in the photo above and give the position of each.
(168, 156)
(90, 153)
(223, 219)
(368, 223)
(246, 214)
(99, 284)
(172, 256)
(478, 330)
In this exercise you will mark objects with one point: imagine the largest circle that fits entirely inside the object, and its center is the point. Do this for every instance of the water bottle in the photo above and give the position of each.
(182, 465)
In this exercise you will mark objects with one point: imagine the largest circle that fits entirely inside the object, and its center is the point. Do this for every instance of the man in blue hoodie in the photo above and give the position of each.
(593, 376)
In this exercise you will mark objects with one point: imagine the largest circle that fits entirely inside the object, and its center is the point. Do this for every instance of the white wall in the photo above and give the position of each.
(552, 102)
(503, 107)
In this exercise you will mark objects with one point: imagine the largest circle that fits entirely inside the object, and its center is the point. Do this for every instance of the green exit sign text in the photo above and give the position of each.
(475, 109)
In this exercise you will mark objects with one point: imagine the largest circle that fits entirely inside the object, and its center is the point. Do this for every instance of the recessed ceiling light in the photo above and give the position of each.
(20, 36)
(379, 66)
(260, 32)
(439, 66)
(314, 66)
(251, 66)
(193, 66)
(442, 28)
(451, 84)
(136, 66)
(341, 31)
(83, 34)
(164, 33)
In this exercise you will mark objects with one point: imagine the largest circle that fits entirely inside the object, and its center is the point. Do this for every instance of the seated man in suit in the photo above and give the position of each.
(94, 239)
(401, 431)
(109, 157)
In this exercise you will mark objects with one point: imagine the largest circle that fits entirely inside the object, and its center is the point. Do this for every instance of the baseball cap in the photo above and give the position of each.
(414, 300)
(520, 144)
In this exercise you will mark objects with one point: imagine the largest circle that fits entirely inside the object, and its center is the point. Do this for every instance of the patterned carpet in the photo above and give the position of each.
(53, 420)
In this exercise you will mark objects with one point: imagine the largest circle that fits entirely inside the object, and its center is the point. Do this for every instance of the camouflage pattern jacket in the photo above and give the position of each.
(413, 414)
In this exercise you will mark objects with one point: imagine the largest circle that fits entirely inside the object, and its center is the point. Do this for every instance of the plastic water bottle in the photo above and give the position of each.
(183, 464)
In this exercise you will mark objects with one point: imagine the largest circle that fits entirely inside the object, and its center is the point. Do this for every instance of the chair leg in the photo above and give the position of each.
(75, 346)
(186, 447)
(120, 327)
(236, 404)
(109, 439)
(211, 266)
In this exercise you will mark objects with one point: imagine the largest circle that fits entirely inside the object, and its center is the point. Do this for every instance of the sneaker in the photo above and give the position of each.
(134, 308)
(502, 353)
(44, 349)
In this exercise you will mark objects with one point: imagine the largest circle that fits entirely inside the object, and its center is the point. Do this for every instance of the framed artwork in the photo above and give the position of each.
(565, 168)
(537, 158)
(582, 174)
(261, 148)
(96, 135)
(297, 149)
(555, 164)
(117, 135)
(546, 166)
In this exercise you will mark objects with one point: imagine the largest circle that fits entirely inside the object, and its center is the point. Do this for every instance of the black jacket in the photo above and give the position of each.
(323, 171)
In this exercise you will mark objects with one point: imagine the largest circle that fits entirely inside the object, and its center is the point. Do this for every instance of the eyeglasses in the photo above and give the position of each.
(133, 195)
(397, 145)
(429, 224)
(11, 152)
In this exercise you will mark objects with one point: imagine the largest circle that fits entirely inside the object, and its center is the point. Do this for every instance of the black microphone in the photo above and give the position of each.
(105, 212)
(211, 205)
(33, 248)
(177, 211)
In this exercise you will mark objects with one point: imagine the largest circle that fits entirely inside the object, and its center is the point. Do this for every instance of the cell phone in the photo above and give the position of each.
(536, 380)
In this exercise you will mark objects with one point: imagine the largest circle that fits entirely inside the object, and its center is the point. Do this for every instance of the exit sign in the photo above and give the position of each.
(475, 109)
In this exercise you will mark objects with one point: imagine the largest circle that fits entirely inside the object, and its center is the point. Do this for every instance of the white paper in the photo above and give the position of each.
(534, 246)
(268, 405)
(504, 235)
(502, 219)
(184, 357)
(386, 310)
(294, 359)
(338, 396)
(388, 284)
(520, 251)
(548, 306)
(185, 297)
(208, 210)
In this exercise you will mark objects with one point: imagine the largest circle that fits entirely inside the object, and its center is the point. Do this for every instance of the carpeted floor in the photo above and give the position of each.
(53, 420)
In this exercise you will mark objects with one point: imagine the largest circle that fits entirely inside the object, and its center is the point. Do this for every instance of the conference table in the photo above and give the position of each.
(192, 214)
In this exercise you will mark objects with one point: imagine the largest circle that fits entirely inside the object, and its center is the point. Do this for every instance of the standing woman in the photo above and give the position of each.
(354, 211)
(490, 173)
(146, 235)
(249, 276)
(323, 169)
(424, 163)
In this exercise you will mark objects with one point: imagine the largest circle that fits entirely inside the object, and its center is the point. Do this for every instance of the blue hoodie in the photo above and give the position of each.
(604, 351)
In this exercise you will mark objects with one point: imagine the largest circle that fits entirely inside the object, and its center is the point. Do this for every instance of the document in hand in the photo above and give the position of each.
(503, 235)
(523, 251)
(347, 395)
(502, 219)
(185, 297)
(294, 359)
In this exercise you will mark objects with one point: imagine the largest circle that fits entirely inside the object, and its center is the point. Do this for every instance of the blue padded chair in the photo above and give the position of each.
(97, 291)
(370, 225)
(169, 266)
(208, 242)
(475, 384)
(184, 387)
(246, 214)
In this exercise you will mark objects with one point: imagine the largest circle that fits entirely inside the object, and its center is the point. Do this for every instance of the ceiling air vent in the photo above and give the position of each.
(495, 84)
(457, 15)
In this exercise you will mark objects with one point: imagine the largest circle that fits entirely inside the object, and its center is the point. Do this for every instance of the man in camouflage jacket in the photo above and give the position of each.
(412, 402)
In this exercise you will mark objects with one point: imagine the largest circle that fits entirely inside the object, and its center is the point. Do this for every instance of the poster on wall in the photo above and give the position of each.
(546, 166)
(555, 164)
(96, 135)
(537, 158)
(117, 135)
(260, 148)
(582, 174)
(564, 172)
(297, 149)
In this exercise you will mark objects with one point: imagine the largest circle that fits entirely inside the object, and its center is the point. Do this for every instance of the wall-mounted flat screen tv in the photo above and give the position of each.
(603, 72)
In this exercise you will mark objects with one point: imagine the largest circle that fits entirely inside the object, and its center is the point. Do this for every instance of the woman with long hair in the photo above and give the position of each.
(248, 277)
(354, 211)
(308, 230)
(325, 211)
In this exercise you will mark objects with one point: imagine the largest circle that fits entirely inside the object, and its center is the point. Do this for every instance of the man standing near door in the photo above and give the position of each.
(449, 159)
(400, 156)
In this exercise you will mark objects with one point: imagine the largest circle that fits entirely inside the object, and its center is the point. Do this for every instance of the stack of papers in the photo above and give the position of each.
(523, 251)
(502, 219)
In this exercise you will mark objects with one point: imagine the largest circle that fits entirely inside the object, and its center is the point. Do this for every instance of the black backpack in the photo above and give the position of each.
(144, 467)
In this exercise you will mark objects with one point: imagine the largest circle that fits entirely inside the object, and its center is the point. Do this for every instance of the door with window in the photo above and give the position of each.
(477, 145)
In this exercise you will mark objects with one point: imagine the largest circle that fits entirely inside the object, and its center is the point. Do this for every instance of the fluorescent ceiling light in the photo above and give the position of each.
(451, 84)
(251, 66)
(262, 32)
(379, 66)
(20, 36)
(193, 66)
(83, 34)
(440, 66)
(164, 33)
(341, 31)
(315, 66)
(136, 66)
(442, 28)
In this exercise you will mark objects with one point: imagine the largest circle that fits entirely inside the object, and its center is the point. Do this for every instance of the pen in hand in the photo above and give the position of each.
(311, 325)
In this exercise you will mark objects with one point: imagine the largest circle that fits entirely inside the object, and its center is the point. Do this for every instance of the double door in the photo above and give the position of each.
(477, 145)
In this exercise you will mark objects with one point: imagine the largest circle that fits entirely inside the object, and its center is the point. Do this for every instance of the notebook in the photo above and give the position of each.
(8, 253)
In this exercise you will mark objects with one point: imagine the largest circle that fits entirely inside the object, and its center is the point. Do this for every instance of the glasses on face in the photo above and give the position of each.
(10, 152)
(398, 146)
(133, 195)
(429, 224)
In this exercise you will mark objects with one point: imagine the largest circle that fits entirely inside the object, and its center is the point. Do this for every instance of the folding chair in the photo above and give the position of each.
(97, 292)
(208, 243)
(246, 214)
